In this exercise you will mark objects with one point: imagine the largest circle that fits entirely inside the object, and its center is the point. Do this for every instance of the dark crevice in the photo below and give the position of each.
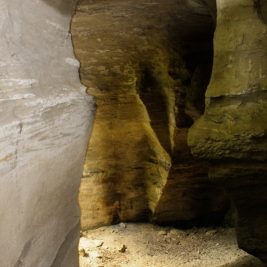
(154, 100)
(261, 8)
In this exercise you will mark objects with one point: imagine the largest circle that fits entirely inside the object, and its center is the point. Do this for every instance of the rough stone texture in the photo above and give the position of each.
(45, 119)
(148, 66)
(232, 132)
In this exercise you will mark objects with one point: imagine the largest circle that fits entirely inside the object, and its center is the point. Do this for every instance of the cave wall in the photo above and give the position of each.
(232, 132)
(148, 67)
(45, 120)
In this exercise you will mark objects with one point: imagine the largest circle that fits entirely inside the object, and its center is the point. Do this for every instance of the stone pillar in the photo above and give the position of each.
(45, 119)
(232, 131)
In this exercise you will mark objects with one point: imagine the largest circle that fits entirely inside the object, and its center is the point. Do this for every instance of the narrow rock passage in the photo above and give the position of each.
(148, 65)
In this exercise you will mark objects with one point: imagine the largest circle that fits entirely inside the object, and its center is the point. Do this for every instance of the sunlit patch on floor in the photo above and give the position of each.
(146, 245)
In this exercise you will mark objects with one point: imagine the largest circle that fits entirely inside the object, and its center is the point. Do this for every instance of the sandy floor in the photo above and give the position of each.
(146, 245)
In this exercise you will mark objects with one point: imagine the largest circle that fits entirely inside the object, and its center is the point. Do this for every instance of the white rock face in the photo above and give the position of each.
(45, 121)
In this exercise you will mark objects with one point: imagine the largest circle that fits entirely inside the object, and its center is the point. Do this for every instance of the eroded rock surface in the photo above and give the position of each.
(148, 66)
(45, 119)
(232, 132)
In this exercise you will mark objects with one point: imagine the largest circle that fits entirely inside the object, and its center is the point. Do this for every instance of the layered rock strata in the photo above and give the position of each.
(148, 66)
(45, 120)
(232, 132)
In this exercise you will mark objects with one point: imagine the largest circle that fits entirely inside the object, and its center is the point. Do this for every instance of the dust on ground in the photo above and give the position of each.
(147, 245)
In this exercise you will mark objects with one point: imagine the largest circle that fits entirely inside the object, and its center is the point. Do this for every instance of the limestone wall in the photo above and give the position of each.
(45, 119)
